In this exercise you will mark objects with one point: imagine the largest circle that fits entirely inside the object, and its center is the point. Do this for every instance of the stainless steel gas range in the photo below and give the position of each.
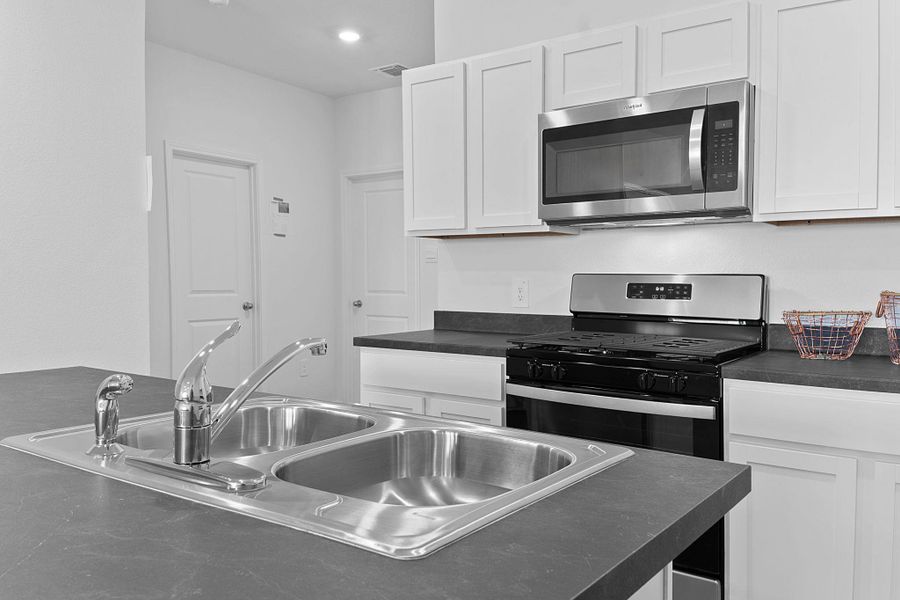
(641, 366)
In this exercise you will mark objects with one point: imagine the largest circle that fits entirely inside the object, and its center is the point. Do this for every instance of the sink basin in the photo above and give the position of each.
(398, 484)
(263, 426)
(426, 467)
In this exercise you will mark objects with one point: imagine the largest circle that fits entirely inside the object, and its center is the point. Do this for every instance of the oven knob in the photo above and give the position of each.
(646, 380)
(529, 367)
(538, 369)
(557, 372)
(678, 383)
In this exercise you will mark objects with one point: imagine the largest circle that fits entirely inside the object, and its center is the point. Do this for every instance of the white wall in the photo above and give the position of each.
(73, 232)
(291, 132)
(467, 27)
(368, 131)
(824, 266)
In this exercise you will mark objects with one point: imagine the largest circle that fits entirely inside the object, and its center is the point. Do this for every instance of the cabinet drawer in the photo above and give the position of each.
(449, 374)
(486, 414)
(853, 420)
(393, 401)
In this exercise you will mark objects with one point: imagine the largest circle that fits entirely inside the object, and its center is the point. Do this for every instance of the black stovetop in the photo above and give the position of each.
(682, 347)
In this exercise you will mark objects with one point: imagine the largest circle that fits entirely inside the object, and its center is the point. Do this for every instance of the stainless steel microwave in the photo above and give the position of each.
(672, 157)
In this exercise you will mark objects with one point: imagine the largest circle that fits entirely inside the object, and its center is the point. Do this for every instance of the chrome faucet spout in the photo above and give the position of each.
(193, 398)
(316, 347)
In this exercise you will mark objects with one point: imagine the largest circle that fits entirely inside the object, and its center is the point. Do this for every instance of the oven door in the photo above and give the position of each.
(690, 429)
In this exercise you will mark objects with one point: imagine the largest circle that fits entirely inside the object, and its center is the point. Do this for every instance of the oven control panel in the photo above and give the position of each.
(659, 291)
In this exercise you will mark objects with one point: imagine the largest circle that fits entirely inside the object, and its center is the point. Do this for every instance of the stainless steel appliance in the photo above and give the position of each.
(678, 157)
(641, 366)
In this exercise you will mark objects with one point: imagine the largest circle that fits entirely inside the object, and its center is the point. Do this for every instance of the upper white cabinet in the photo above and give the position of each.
(697, 47)
(470, 147)
(434, 147)
(601, 65)
(818, 109)
(505, 95)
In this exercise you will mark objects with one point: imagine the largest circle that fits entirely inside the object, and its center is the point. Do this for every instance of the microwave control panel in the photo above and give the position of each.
(722, 143)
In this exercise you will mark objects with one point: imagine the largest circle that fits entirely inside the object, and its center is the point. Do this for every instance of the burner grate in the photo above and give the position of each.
(608, 342)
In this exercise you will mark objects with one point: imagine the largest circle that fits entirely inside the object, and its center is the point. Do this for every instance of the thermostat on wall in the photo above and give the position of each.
(281, 212)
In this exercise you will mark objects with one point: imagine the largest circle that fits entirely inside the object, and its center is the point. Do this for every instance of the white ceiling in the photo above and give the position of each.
(295, 41)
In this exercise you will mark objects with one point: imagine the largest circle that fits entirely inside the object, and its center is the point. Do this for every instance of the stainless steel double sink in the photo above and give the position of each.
(398, 484)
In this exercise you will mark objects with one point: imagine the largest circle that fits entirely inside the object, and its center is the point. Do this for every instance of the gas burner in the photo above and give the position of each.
(628, 344)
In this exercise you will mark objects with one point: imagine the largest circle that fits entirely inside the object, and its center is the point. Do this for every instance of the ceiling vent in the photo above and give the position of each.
(393, 70)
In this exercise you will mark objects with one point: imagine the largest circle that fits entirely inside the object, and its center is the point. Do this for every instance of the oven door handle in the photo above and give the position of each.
(695, 149)
(646, 407)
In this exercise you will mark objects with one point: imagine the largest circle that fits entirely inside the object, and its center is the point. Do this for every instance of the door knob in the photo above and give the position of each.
(357, 304)
(247, 306)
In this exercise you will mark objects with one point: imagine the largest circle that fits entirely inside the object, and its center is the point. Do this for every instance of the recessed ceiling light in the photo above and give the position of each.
(349, 36)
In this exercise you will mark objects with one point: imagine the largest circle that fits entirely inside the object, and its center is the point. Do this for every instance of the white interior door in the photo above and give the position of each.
(211, 264)
(383, 277)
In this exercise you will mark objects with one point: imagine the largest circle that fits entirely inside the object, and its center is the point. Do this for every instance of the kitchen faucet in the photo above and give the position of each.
(193, 401)
(195, 429)
(316, 347)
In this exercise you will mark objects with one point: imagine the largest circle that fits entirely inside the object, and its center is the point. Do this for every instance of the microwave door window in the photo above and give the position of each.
(585, 163)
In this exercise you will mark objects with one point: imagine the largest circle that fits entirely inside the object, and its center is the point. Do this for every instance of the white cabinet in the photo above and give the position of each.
(697, 47)
(794, 536)
(818, 113)
(470, 159)
(885, 558)
(601, 65)
(505, 95)
(454, 386)
(434, 147)
(821, 521)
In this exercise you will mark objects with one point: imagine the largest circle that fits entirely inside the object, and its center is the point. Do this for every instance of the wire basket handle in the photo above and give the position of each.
(891, 297)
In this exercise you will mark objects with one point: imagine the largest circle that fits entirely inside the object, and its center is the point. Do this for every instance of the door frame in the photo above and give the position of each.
(345, 315)
(176, 149)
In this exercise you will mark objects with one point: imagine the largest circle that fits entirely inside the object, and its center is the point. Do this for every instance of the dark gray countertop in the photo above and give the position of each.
(440, 340)
(859, 372)
(74, 535)
(457, 332)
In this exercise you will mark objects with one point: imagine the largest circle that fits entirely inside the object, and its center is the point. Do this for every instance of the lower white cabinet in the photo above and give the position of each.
(794, 537)
(822, 521)
(454, 386)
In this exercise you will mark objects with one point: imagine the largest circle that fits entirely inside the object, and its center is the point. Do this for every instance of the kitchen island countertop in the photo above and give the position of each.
(73, 535)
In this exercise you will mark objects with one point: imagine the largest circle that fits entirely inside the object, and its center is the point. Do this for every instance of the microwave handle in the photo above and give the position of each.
(646, 407)
(695, 149)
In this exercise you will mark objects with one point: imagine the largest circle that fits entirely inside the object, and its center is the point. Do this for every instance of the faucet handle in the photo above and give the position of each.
(192, 384)
(106, 413)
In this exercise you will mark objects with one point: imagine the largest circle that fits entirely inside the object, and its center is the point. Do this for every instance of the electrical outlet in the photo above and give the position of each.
(304, 366)
(520, 293)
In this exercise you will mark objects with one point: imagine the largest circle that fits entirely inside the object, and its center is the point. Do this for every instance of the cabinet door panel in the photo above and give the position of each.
(699, 47)
(885, 574)
(591, 68)
(818, 106)
(793, 537)
(434, 147)
(505, 96)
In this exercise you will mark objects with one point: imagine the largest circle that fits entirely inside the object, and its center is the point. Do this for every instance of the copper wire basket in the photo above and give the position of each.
(828, 335)
(889, 308)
